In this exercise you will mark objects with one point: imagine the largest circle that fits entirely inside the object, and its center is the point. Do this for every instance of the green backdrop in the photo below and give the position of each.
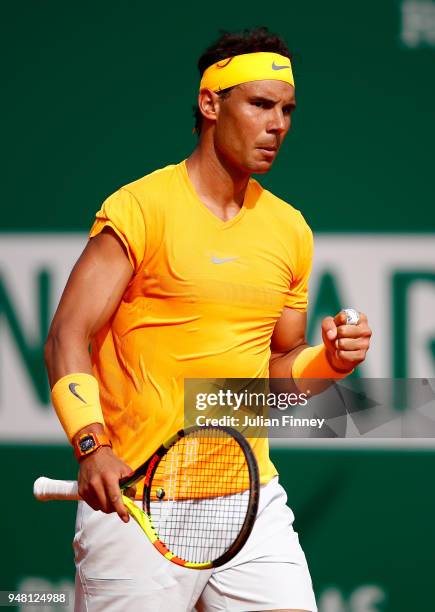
(98, 94)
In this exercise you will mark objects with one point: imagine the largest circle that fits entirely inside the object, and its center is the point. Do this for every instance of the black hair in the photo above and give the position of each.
(230, 44)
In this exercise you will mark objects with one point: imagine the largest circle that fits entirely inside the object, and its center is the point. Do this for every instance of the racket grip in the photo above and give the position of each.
(46, 489)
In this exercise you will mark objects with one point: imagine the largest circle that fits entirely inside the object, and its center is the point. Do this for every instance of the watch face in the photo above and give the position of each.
(87, 444)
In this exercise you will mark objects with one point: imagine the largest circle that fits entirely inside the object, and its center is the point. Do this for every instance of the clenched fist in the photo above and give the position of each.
(346, 345)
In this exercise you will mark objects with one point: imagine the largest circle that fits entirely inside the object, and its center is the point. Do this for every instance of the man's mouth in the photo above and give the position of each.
(268, 152)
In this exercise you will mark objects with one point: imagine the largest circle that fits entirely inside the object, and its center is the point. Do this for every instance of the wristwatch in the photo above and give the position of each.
(88, 443)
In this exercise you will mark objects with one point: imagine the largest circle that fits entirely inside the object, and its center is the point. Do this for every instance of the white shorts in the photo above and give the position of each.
(118, 569)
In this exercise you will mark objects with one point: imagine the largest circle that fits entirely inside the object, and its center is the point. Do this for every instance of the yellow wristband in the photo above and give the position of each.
(313, 363)
(76, 399)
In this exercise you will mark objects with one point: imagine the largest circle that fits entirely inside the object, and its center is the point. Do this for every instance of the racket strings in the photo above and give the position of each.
(200, 495)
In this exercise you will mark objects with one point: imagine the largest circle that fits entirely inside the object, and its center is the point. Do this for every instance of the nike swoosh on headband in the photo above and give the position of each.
(72, 388)
(278, 67)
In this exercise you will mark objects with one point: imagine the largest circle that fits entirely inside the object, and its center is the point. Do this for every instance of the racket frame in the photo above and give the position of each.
(147, 470)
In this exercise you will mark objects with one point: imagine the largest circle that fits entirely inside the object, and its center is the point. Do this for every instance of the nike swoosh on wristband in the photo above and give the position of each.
(221, 260)
(278, 67)
(72, 388)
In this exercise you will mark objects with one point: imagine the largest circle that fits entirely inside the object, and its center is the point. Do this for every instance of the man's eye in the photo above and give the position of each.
(263, 104)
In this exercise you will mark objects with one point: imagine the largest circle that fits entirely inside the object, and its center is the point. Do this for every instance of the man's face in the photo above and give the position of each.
(252, 122)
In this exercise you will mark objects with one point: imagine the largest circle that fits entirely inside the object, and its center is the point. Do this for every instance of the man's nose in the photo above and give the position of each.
(278, 123)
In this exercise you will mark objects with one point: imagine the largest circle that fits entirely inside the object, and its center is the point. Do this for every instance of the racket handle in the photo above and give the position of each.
(46, 489)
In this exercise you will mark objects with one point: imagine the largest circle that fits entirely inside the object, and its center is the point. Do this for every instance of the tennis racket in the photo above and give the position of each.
(200, 496)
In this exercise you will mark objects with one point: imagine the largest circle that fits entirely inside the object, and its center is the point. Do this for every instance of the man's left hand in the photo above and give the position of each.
(346, 345)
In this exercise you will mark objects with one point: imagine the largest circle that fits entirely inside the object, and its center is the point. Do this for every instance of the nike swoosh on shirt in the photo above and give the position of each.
(278, 67)
(221, 260)
(72, 388)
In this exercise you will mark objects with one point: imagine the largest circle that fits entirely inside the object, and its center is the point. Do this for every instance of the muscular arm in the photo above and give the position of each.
(93, 292)
(91, 296)
(288, 340)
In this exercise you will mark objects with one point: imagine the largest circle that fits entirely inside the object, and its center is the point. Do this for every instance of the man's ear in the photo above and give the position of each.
(208, 104)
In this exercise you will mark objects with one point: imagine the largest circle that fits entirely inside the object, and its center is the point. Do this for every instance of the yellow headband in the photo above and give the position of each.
(247, 67)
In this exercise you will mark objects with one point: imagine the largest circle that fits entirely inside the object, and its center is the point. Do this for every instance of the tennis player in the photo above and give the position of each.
(192, 271)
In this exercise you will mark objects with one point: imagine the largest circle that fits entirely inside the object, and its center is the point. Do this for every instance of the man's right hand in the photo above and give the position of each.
(98, 479)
